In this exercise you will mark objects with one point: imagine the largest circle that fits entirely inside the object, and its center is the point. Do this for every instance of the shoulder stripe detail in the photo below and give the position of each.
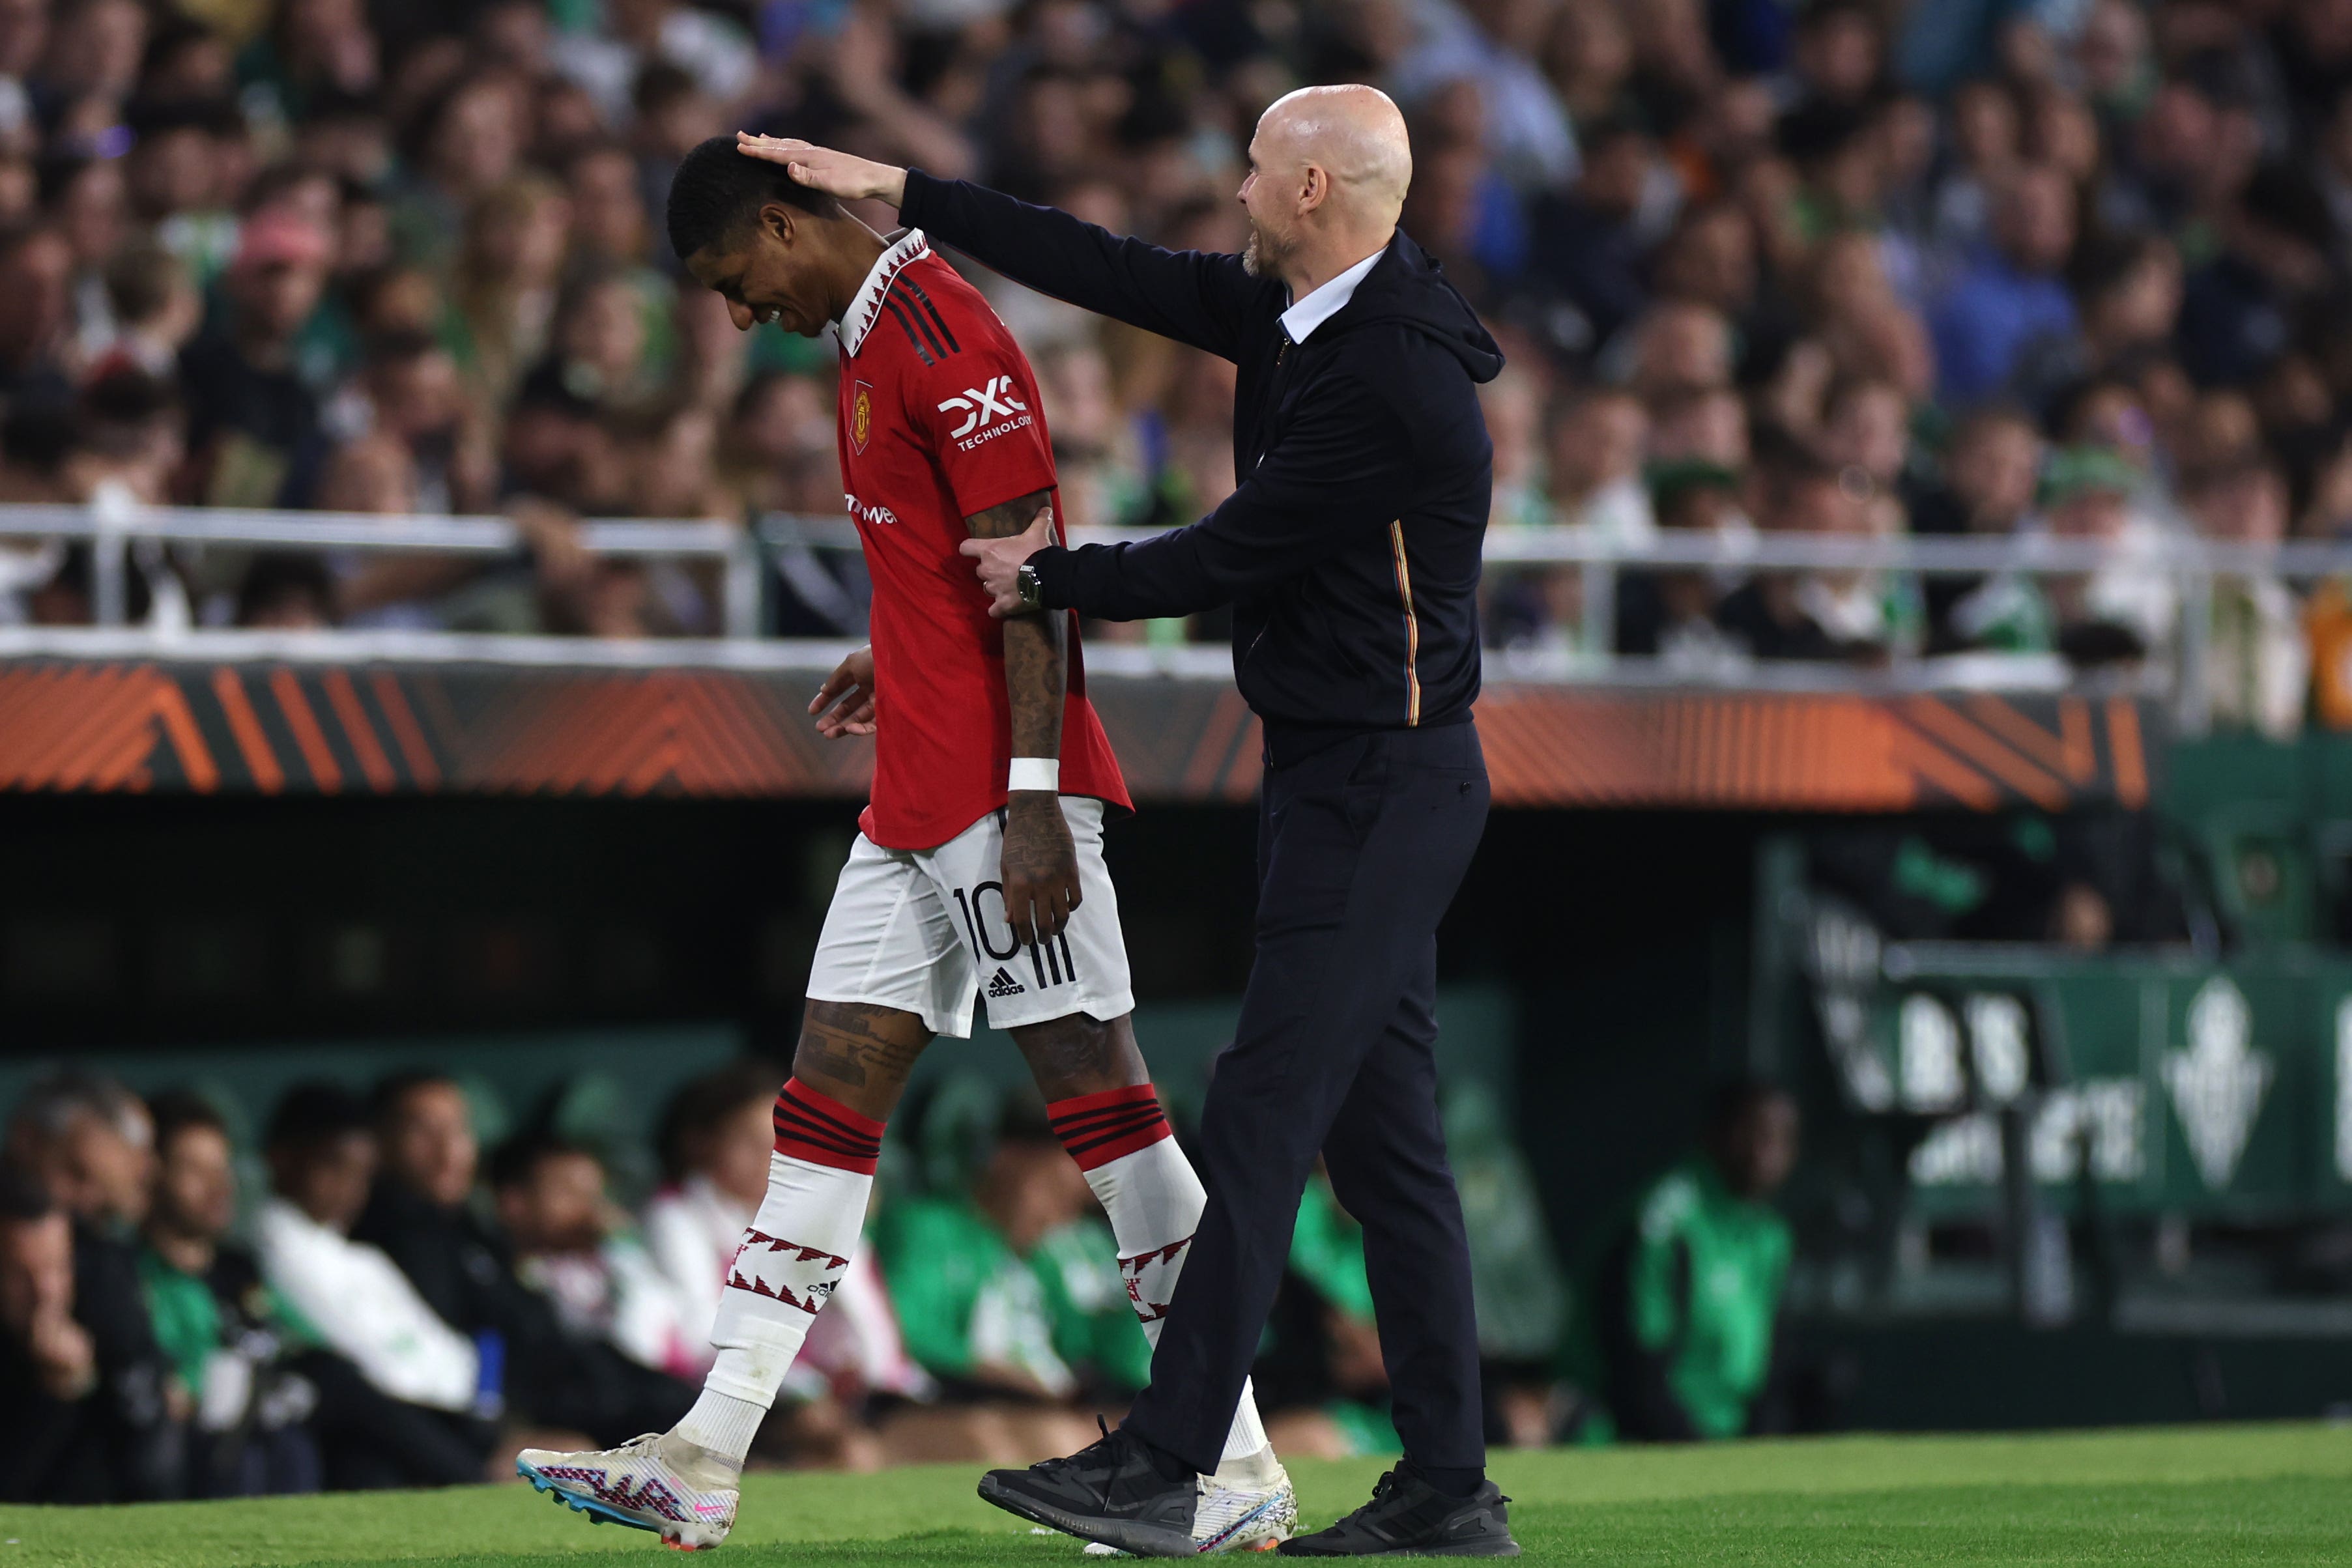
(916, 315)
(899, 313)
(936, 320)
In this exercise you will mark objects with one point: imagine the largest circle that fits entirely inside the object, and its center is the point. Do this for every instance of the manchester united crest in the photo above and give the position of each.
(861, 416)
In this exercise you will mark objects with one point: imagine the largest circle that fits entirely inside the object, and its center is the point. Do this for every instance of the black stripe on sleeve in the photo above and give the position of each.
(936, 320)
(908, 313)
(907, 327)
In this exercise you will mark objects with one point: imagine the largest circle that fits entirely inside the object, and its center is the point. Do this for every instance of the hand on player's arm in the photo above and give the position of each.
(843, 705)
(1040, 862)
(852, 179)
(998, 560)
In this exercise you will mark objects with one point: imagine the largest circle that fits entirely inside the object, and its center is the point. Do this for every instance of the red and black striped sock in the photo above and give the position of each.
(825, 1132)
(1099, 1128)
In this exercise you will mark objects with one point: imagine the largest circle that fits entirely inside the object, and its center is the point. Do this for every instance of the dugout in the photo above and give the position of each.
(369, 868)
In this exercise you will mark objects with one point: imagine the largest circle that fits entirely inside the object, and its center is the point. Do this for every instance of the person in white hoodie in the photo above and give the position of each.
(414, 1371)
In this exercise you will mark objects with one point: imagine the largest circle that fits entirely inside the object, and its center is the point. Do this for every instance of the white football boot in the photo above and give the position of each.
(1247, 1505)
(660, 1482)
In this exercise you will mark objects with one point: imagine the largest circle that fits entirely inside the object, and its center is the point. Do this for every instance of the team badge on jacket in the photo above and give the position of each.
(861, 416)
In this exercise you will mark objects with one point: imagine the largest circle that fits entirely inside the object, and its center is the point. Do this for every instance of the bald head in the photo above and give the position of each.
(1329, 171)
(1355, 134)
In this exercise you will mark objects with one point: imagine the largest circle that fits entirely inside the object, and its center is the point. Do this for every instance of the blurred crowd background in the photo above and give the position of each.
(200, 1298)
(1980, 267)
(2071, 269)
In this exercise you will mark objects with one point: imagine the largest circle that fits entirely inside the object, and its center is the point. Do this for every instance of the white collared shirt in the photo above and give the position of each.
(865, 305)
(1321, 304)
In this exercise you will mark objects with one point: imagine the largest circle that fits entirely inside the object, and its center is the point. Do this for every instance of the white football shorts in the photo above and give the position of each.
(922, 930)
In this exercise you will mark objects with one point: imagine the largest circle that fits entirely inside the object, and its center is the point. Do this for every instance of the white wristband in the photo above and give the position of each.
(1041, 773)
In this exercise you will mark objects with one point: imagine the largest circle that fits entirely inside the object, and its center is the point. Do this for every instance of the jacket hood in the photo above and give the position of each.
(1408, 285)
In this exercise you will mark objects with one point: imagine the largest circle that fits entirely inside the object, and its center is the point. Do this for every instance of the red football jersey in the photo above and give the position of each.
(940, 418)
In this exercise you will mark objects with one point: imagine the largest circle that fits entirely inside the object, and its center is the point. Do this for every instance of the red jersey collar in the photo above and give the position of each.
(865, 306)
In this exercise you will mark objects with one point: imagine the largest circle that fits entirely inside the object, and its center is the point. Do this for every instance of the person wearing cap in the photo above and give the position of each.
(2117, 614)
(2124, 610)
(253, 424)
(1670, 614)
(1989, 466)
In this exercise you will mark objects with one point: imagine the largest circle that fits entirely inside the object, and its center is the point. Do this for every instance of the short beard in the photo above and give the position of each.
(1263, 254)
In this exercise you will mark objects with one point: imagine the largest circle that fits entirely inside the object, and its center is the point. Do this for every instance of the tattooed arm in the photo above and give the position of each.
(1041, 864)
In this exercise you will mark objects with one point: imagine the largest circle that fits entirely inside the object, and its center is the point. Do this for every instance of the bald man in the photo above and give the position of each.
(1349, 553)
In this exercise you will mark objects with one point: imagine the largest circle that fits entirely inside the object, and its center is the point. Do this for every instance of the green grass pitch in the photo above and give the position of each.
(2271, 1494)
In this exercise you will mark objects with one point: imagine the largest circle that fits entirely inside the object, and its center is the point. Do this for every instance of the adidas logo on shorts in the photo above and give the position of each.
(1002, 985)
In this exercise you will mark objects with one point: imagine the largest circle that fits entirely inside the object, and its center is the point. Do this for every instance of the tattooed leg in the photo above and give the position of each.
(859, 1054)
(1081, 1055)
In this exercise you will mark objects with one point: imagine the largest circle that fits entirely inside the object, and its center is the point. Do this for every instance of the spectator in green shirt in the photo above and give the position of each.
(228, 1336)
(1688, 1299)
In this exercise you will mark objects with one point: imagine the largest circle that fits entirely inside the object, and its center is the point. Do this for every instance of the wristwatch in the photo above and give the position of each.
(1031, 591)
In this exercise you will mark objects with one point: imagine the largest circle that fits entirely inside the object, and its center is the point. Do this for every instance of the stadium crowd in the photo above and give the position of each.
(358, 1297)
(1990, 267)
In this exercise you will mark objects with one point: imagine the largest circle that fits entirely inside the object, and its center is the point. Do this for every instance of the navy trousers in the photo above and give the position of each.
(1361, 844)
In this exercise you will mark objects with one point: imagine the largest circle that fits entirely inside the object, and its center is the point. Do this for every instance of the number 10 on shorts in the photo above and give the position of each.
(1049, 962)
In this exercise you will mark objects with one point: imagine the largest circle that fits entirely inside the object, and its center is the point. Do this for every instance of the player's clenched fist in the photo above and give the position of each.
(821, 169)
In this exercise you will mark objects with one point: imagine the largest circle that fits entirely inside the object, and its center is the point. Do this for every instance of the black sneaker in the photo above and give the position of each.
(1409, 1518)
(1108, 1492)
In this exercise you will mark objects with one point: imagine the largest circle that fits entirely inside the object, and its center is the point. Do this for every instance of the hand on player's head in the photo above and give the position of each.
(852, 179)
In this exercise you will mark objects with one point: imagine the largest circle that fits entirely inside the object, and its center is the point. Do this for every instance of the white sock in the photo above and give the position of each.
(1123, 1141)
(722, 1424)
(796, 1252)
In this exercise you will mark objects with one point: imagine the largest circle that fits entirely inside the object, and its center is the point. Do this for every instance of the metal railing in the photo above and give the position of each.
(113, 522)
(2192, 564)
(1930, 555)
